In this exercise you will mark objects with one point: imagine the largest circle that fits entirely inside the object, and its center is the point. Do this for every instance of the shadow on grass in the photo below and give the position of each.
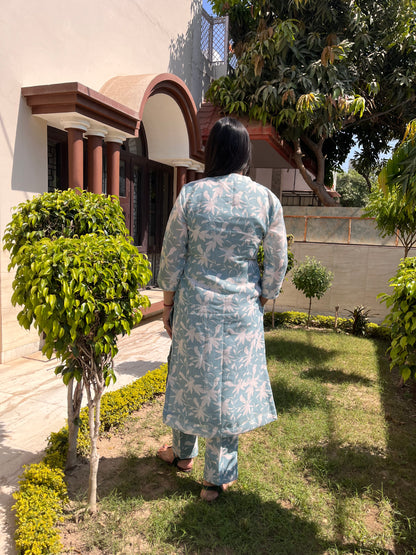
(291, 398)
(400, 416)
(334, 376)
(348, 469)
(243, 523)
(237, 523)
(287, 351)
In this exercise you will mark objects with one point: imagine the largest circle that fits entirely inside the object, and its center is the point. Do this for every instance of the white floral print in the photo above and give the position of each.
(218, 383)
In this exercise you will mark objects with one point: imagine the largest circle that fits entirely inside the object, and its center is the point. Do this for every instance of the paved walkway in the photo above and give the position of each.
(33, 404)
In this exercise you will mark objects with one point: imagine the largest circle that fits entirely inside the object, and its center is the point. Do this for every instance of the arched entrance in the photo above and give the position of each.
(165, 155)
(138, 138)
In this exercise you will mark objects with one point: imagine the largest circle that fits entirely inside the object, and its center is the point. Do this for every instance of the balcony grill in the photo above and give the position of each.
(214, 38)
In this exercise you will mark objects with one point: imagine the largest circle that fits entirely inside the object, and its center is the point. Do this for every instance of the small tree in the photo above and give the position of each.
(312, 279)
(53, 215)
(80, 289)
(393, 203)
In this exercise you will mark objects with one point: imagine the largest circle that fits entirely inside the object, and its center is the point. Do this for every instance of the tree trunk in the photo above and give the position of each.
(368, 181)
(94, 409)
(74, 399)
(309, 312)
(274, 303)
(317, 185)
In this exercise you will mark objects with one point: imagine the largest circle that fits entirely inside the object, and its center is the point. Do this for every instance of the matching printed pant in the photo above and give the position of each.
(221, 464)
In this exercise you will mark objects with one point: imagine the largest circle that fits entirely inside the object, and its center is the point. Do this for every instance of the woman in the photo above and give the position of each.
(218, 386)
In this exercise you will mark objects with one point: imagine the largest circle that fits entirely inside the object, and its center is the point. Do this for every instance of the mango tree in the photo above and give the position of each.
(80, 289)
(325, 74)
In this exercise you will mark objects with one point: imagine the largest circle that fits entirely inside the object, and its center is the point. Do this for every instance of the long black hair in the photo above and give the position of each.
(228, 148)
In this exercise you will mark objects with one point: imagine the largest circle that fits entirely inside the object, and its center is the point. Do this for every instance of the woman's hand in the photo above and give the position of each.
(263, 300)
(166, 323)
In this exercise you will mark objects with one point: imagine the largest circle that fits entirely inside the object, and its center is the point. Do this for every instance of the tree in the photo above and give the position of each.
(54, 215)
(393, 203)
(312, 279)
(323, 73)
(353, 189)
(80, 289)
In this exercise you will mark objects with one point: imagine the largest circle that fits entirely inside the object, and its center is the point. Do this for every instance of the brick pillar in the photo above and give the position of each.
(190, 175)
(95, 161)
(180, 178)
(75, 157)
(113, 163)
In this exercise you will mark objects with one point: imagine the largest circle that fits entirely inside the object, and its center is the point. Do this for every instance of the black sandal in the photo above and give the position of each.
(217, 489)
(175, 461)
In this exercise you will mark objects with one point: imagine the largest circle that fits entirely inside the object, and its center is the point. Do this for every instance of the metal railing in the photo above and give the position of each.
(214, 38)
(345, 237)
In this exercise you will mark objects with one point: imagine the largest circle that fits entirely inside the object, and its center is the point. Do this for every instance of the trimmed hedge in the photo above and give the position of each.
(39, 507)
(292, 318)
(43, 493)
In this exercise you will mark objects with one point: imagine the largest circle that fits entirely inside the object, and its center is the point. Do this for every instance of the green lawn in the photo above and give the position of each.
(334, 474)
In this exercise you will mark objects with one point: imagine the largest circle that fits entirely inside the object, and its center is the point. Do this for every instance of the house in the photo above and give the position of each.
(104, 96)
(100, 95)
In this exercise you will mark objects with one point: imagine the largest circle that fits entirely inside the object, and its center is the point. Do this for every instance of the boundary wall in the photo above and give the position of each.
(350, 246)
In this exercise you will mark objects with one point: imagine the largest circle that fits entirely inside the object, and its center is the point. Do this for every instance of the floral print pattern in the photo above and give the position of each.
(218, 383)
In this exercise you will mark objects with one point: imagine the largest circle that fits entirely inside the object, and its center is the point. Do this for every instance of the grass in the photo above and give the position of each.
(334, 474)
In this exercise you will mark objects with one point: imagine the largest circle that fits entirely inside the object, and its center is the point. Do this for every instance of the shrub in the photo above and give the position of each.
(359, 319)
(402, 318)
(292, 318)
(39, 507)
(42, 492)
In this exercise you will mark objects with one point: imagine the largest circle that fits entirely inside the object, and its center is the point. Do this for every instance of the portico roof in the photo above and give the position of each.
(120, 107)
(269, 150)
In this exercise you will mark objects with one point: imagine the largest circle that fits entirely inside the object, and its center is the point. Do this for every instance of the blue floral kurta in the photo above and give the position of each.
(218, 382)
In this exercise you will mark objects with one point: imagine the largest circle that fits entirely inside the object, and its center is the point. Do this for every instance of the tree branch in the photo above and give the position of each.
(380, 114)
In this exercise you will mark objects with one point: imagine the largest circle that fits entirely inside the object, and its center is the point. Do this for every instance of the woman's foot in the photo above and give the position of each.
(167, 455)
(211, 492)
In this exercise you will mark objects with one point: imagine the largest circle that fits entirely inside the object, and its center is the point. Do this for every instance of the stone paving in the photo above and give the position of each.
(33, 404)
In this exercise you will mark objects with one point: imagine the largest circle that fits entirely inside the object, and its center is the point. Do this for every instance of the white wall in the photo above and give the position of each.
(362, 262)
(90, 41)
(291, 180)
(361, 272)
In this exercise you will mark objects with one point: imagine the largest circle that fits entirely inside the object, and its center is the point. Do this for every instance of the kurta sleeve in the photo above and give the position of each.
(175, 247)
(275, 251)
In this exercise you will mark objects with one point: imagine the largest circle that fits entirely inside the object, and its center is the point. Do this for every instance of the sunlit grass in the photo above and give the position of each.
(334, 474)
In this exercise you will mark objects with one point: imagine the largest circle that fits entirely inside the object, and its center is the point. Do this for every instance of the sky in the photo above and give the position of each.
(207, 6)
